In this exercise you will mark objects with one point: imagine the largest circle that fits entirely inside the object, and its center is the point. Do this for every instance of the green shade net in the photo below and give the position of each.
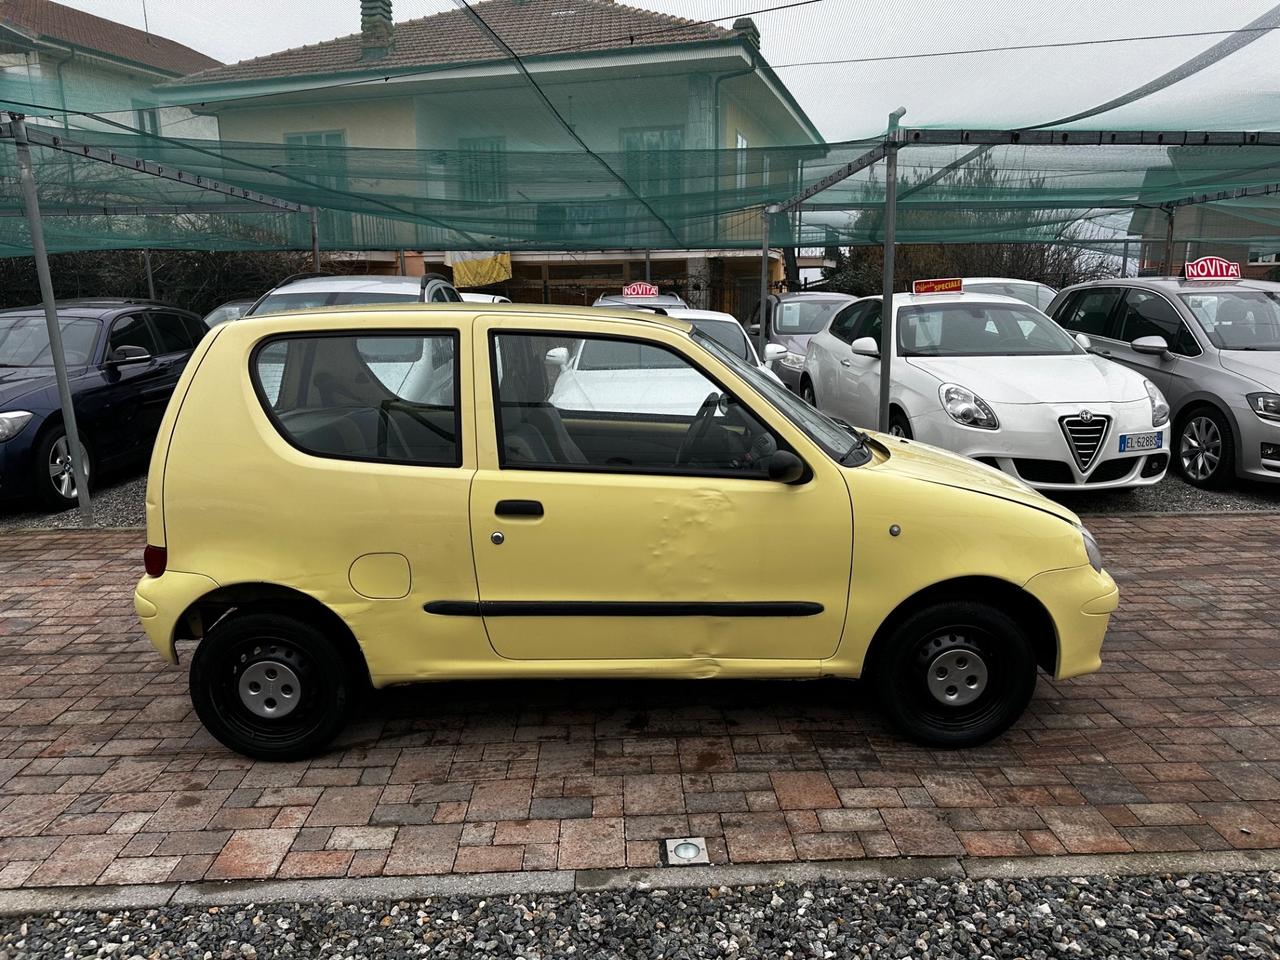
(585, 125)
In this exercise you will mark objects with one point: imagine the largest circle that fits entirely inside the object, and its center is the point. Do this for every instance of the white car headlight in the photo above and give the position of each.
(1091, 548)
(1159, 405)
(793, 360)
(1265, 405)
(967, 408)
(11, 423)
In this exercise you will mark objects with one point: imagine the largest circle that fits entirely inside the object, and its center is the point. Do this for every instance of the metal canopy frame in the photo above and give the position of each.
(24, 137)
(982, 141)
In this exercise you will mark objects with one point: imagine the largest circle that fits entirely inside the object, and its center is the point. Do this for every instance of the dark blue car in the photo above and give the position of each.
(124, 358)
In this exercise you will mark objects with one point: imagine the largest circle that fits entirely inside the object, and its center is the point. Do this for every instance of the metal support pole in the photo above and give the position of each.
(890, 228)
(1166, 264)
(648, 268)
(151, 283)
(32, 204)
(762, 336)
(1124, 260)
(314, 216)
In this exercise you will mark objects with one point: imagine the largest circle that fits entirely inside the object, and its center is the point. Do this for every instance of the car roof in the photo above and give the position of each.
(89, 308)
(1032, 283)
(1177, 284)
(816, 295)
(692, 313)
(661, 300)
(916, 299)
(356, 283)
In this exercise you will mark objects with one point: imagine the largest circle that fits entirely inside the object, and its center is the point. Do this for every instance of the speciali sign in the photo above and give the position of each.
(950, 285)
(640, 289)
(1211, 268)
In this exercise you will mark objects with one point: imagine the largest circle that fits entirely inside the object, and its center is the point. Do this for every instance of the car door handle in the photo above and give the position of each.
(846, 363)
(518, 508)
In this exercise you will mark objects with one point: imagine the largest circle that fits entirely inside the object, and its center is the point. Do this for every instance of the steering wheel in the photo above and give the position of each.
(699, 428)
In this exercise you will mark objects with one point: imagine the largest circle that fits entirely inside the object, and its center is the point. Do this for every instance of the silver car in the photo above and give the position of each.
(1212, 347)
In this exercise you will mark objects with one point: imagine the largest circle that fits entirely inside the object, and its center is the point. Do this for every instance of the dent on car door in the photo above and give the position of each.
(583, 552)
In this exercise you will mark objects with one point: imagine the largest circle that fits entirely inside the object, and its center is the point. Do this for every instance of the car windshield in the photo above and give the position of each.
(1238, 319)
(225, 313)
(729, 334)
(601, 354)
(310, 299)
(24, 341)
(841, 442)
(960, 329)
(1033, 294)
(804, 316)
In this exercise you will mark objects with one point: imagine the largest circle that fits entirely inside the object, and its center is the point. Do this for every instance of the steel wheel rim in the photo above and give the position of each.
(62, 472)
(1201, 448)
(983, 701)
(249, 660)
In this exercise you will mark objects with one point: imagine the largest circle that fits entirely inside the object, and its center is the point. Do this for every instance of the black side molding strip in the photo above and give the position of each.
(623, 608)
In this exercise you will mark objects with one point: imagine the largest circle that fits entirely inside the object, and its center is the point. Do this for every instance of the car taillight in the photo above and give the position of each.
(154, 560)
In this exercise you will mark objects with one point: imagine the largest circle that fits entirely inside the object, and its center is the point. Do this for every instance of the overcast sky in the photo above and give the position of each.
(852, 99)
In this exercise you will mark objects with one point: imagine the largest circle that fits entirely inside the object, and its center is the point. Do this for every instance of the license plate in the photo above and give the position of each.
(1140, 441)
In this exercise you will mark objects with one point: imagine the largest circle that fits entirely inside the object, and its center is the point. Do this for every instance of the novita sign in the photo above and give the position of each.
(1212, 268)
(640, 289)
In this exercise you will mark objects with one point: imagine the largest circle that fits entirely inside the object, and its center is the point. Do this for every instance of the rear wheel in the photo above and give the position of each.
(1206, 449)
(55, 479)
(956, 674)
(270, 686)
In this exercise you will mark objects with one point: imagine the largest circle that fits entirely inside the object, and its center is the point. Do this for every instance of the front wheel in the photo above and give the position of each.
(807, 394)
(270, 686)
(956, 674)
(55, 479)
(899, 425)
(1206, 449)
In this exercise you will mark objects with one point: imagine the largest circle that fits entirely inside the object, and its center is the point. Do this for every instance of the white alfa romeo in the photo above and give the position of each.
(994, 379)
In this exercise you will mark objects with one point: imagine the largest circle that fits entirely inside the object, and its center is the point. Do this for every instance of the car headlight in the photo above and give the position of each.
(1159, 405)
(11, 423)
(1091, 548)
(793, 360)
(966, 407)
(1265, 405)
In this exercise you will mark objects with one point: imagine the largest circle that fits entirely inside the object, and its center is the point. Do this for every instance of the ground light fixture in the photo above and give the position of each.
(684, 851)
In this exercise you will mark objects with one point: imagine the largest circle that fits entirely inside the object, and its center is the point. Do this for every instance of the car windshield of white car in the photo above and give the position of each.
(601, 354)
(309, 300)
(843, 443)
(959, 329)
(731, 336)
(1238, 319)
(24, 341)
(804, 316)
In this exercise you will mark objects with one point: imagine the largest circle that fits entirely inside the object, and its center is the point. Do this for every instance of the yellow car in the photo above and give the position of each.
(381, 495)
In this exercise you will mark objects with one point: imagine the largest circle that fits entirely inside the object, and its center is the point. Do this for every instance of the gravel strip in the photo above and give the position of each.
(1224, 915)
(120, 503)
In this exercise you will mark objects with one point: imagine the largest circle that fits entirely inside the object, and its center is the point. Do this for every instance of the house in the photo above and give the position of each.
(460, 134)
(58, 64)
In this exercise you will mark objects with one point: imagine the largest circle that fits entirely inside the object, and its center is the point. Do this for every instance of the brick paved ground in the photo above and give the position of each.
(107, 777)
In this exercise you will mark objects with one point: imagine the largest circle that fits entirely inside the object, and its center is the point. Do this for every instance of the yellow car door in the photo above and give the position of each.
(621, 509)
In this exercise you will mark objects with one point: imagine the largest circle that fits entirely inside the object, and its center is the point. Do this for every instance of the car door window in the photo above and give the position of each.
(382, 397)
(868, 322)
(196, 328)
(1091, 311)
(1147, 314)
(842, 325)
(621, 405)
(132, 331)
(171, 333)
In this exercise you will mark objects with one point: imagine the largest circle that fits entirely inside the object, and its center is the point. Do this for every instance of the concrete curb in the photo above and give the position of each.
(209, 894)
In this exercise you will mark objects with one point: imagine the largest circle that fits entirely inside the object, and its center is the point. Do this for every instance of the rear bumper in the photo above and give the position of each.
(160, 603)
(1080, 600)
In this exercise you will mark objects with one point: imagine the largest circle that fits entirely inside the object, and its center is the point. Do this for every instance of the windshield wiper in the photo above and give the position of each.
(861, 438)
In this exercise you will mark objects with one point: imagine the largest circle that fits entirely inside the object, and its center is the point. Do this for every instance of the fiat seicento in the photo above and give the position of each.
(377, 496)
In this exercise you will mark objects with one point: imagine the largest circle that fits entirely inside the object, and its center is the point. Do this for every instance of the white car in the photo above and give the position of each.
(619, 377)
(484, 298)
(306, 291)
(992, 378)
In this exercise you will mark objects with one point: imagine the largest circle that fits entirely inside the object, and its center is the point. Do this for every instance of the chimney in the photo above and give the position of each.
(750, 32)
(376, 29)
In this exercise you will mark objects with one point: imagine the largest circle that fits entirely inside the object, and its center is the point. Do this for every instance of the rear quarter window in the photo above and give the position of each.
(377, 397)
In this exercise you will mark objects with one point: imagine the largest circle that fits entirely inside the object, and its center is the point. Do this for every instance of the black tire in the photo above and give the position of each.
(972, 642)
(57, 492)
(1203, 435)
(807, 393)
(899, 425)
(267, 647)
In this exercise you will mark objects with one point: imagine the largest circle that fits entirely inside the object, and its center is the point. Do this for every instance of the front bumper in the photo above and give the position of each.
(790, 376)
(1252, 434)
(160, 603)
(1080, 600)
(1030, 444)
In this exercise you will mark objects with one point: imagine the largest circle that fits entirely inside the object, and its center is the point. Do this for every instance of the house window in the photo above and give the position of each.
(740, 181)
(147, 120)
(484, 168)
(307, 158)
(651, 160)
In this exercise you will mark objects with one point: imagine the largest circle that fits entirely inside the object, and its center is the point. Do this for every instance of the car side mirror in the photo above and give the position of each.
(865, 347)
(1085, 343)
(1155, 346)
(127, 353)
(558, 356)
(774, 351)
(785, 467)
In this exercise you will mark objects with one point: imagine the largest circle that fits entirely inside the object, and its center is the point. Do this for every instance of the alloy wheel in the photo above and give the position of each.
(62, 472)
(1200, 448)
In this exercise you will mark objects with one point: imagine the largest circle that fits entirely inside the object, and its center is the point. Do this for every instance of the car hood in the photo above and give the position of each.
(1076, 378)
(920, 461)
(17, 382)
(1260, 365)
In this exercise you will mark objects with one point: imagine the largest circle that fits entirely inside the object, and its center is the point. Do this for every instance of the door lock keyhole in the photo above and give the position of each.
(497, 538)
